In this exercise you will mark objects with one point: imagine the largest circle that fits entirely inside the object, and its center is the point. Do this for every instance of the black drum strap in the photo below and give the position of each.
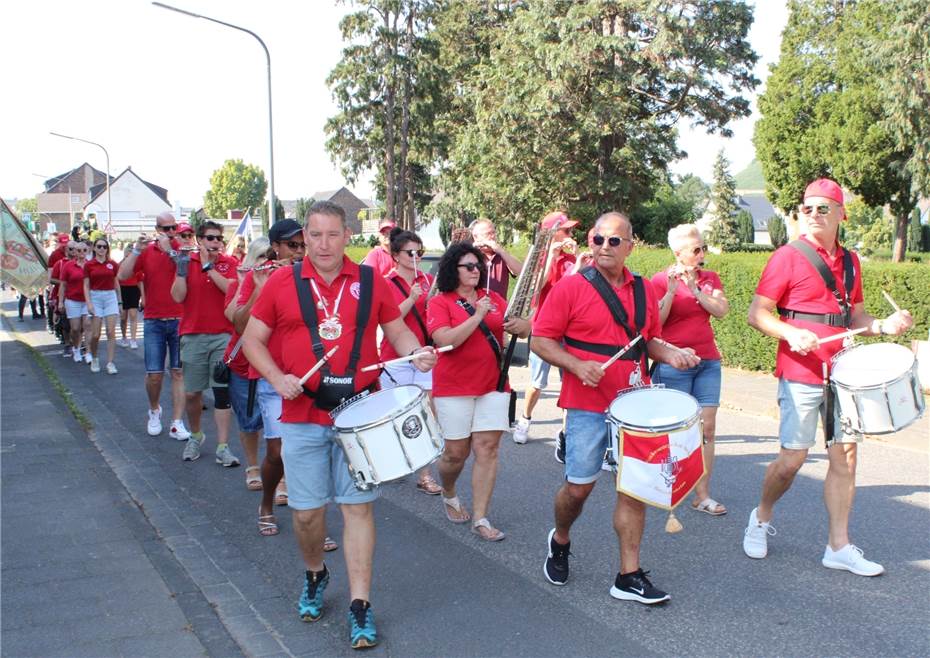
(416, 315)
(849, 278)
(607, 294)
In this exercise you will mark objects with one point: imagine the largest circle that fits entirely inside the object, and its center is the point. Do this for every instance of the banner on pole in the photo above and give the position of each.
(23, 264)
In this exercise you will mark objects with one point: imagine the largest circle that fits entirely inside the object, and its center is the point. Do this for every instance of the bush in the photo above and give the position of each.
(778, 232)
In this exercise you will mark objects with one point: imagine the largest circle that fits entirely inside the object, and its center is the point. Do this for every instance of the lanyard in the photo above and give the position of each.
(322, 303)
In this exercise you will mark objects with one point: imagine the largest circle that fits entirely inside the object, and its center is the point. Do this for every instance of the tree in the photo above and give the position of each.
(302, 208)
(695, 191)
(778, 233)
(724, 230)
(914, 232)
(745, 230)
(235, 186)
(26, 204)
(653, 219)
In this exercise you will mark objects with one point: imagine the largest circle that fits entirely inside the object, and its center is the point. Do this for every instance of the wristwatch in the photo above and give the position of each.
(207, 267)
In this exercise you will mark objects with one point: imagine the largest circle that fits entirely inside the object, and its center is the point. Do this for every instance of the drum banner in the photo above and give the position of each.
(658, 469)
(22, 262)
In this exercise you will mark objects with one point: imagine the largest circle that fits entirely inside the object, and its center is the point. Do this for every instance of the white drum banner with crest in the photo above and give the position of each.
(659, 469)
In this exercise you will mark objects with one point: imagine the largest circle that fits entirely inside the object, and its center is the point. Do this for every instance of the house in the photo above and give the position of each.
(61, 204)
(360, 213)
(136, 203)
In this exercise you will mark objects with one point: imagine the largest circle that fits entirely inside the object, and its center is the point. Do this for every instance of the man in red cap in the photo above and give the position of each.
(380, 257)
(795, 285)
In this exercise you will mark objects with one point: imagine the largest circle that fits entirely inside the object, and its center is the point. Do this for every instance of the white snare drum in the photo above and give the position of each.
(656, 436)
(387, 435)
(877, 388)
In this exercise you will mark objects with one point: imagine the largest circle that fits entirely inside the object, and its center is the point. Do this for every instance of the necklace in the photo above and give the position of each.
(330, 328)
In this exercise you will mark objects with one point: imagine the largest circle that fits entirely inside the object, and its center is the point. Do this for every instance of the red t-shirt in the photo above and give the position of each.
(498, 275)
(561, 265)
(274, 341)
(102, 275)
(423, 280)
(575, 309)
(379, 259)
(71, 275)
(158, 269)
(278, 308)
(203, 305)
(131, 281)
(55, 274)
(472, 367)
(239, 365)
(56, 255)
(794, 284)
(688, 323)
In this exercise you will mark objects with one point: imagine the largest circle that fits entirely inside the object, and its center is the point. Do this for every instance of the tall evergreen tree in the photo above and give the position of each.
(724, 230)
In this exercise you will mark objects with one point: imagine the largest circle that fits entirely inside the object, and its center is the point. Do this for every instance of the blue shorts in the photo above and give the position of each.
(799, 407)
(239, 398)
(269, 404)
(316, 470)
(701, 382)
(586, 436)
(160, 339)
(539, 372)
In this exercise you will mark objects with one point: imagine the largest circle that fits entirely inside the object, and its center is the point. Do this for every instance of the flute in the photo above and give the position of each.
(403, 359)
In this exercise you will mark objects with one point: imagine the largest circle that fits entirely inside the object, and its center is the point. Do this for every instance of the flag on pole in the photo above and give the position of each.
(660, 469)
(243, 230)
(23, 264)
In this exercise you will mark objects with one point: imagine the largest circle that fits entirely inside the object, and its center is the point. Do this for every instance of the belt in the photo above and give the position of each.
(831, 319)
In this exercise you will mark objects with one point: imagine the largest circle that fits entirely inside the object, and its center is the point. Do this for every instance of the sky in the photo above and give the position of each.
(174, 97)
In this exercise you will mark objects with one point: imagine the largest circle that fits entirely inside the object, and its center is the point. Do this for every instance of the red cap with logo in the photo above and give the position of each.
(63, 238)
(557, 220)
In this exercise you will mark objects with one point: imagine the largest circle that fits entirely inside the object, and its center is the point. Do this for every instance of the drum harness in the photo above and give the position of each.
(841, 319)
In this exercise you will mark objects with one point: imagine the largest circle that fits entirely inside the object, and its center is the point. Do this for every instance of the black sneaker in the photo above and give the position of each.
(636, 587)
(556, 567)
(560, 448)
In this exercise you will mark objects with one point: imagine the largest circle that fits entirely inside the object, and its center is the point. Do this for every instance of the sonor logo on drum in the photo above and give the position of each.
(412, 427)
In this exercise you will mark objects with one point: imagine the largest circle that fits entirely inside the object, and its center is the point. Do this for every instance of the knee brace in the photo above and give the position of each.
(220, 397)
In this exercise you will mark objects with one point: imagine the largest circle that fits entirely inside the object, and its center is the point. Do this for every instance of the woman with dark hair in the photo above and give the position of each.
(471, 411)
(409, 285)
(101, 290)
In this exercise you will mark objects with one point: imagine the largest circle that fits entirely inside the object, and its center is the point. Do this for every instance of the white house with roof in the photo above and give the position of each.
(136, 203)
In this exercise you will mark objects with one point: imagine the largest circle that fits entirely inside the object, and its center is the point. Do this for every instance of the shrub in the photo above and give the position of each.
(778, 232)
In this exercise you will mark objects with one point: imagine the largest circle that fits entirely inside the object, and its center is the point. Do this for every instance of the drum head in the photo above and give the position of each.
(871, 365)
(377, 406)
(653, 408)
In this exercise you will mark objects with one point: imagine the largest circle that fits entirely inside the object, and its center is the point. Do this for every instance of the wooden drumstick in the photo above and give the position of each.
(319, 364)
(897, 309)
(403, 359)
(845, 334)
(609, 362)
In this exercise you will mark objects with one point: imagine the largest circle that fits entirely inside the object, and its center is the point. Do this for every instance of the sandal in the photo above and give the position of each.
(455, 505)
(709, 506)
(492, 534)
(429, 486)
(267, 524)
(329, 545)
(280, 495)
(253, 482)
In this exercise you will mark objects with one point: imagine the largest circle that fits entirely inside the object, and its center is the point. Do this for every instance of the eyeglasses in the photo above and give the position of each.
(186, 236)
(295, 246)
(822, 209)
(410, 252)
(471, 267)
(170, 227)
(101, 246)
(213, 238)
(699, 250)
(613, 240)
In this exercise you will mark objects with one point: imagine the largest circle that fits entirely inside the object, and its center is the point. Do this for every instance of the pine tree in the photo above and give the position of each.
(778, 232)
(724, 231)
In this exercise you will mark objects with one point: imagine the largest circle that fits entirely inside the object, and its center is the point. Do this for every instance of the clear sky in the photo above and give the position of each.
(173, 97)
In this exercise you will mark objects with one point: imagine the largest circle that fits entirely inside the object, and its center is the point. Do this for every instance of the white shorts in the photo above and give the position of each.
(105, 303)
(460, 416)
(404, 374)
(74, 310)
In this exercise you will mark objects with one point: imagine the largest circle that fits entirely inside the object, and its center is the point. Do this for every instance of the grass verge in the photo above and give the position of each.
(59, 386)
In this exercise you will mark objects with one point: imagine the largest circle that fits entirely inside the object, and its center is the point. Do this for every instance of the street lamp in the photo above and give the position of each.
(271, 217)
(109, 204)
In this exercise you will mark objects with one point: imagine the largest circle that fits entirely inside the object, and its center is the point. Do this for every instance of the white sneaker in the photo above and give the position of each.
(178, 431)
(77, 356)
(111, 368)
(154, 425)
(122, 342)
(133, 345)
(755, 539)
(95, 365)
(850, 558)
(88, 358)
(522, 431)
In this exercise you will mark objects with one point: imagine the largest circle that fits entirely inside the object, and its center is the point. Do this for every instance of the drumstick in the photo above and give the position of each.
(845, 334)
(609, 362)
(403, 359)
(319, 364)
(897, 309)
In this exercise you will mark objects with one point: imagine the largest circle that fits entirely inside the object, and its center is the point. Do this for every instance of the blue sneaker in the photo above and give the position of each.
(362, 621)
(310, 605)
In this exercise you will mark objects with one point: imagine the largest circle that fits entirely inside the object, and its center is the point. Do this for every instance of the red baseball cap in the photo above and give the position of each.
(185, 228)
(826, 188)
(386, 223)
(64, 238)
(557, 220)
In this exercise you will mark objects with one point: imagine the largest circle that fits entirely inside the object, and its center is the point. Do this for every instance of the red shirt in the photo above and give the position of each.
(688, 324)
(246, 288)
(56, 255)
(278, 308)
(131, 281)
(562, 264)
(498, 274)
(423, 280)
(55, 274)
(379, 259)
(102, 275)
(239, 365)
(203, 305)
(158, 269)
(71, 275)
(794, 284)
(575, 309)
(472, 367)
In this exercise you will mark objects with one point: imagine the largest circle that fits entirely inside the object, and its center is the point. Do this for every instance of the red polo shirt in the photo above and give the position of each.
(562, 264)
(239, 365)
(278, 308)
(203, 305)
(158, 270)
(71, 275)
(794, 284)
(274, 342)
(102, 275)
(423, 280)
(688, 323)
(379, 259)
(575, 309)
(498, 274)
(56, 255)
(131, 281)
(472, 367)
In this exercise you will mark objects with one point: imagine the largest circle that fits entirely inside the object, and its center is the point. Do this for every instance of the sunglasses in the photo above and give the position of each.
(613, 241)
(170, 227)
(411, 252)
(294, 246)
(186, 236)
(471, 267)
(699, 250)
(822, 209)
(213, 238)
(101, 246)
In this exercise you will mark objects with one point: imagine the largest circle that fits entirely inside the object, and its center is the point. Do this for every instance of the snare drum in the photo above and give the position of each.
(656, 438)
(877, 388)
(388, 435)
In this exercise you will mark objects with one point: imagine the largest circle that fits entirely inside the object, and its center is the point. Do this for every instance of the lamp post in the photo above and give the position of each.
(109, 204)
(271, 217)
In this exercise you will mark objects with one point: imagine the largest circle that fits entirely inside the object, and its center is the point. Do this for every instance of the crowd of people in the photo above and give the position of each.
(296, 304)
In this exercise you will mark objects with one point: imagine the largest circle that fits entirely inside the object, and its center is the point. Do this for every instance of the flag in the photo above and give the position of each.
(244, 229)
(660, 469)
(22, 261)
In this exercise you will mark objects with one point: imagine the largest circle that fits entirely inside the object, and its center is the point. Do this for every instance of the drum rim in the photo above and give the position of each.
(910, 373)
(380, 421)
(856, 387)
(683, 424)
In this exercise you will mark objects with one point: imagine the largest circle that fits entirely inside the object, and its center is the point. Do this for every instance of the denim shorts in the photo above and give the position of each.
(800, 406)
(199, 355)
(104, 302)
(586, 436)
(269, 404)
(75, 310)
(239, 398)
(160, 339)
(539, 372)
(316, 470)
(701, 382)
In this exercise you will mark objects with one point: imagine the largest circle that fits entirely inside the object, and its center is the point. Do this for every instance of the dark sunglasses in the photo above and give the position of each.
(213, 238)
(171, 227)
(822, 209)
(410, 252)
(471, 267)
(294, 246)
(699, 250)
(186, 236)
(101, 246)
(613, 241)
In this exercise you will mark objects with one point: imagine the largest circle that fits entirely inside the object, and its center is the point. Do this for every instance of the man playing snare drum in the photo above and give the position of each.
(340, 299)
(575, 313)
(809, 310)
